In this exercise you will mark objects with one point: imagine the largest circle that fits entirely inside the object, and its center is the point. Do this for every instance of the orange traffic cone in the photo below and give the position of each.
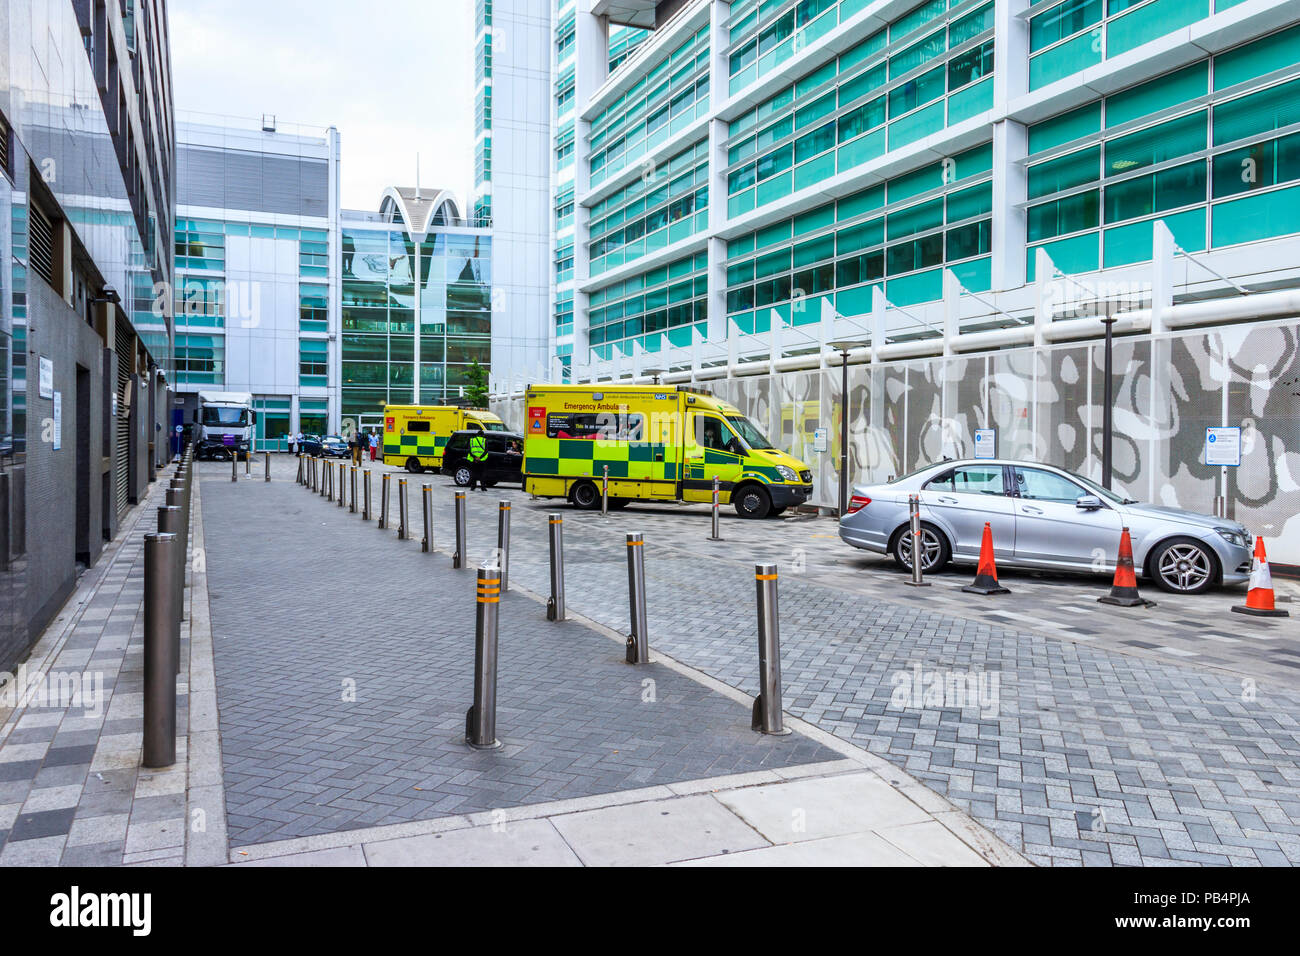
(986, 573)
(1259, 595)
(1124, 589)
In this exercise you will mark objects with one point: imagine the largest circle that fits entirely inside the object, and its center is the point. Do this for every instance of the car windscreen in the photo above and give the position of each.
(493, 426)
(748, 431)
(231, 417)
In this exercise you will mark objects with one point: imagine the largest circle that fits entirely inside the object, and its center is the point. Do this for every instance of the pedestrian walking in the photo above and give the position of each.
(354, 446)
(477, 458)
(374, 444)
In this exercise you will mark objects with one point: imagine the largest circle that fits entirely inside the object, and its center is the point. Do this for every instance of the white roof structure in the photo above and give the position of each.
(419, 209)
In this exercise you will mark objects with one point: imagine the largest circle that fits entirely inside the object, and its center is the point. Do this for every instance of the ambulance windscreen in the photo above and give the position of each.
(749, 431)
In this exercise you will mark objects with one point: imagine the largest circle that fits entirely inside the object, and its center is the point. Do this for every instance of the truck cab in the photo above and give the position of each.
(224, 425)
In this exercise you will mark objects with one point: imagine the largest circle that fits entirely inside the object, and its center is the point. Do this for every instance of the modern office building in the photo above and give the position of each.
(87, 161)
(512, 115)
(416, 232)
(257, 271)
(954, 191)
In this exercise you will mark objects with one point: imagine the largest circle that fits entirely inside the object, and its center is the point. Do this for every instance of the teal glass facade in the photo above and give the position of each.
(379, 346)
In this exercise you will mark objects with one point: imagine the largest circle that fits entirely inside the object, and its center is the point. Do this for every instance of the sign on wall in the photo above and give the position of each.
(47, 378)
(58, 420)
(1223, 446)
(986, 443)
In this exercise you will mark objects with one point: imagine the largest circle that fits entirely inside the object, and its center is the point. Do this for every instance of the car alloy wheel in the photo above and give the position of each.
(1184, 568)
(931, 549)
(462, 477)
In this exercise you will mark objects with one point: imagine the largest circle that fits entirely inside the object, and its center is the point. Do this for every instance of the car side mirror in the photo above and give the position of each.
(1087, 502)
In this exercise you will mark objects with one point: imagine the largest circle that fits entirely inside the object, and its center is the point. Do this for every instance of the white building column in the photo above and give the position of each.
(719, 130)
(1010, 143)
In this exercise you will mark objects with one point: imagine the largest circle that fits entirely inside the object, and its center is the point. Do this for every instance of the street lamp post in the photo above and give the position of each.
(843, 348)
(654, 373)
(1108, 402)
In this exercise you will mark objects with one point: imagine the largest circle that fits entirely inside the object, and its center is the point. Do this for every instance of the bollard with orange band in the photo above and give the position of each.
(1124, 587)
(638, 642)
(767, 716)
(481, 718)
(426, 501)
(1259, 594)
(986, 573)
(503, 543)
(555, 603)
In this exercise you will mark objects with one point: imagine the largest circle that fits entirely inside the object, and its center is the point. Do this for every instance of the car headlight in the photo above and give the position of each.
(787, 474)
(1232, 536)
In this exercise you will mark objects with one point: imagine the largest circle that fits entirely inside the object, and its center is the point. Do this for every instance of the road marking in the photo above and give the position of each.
(1177, 652)
(1220, 638)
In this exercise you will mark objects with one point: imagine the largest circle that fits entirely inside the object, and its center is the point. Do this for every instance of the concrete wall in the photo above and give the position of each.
(44, 568)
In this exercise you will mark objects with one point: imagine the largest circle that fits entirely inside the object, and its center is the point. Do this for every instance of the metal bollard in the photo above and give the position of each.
(352, 481)
(638, 642)
(426, 502)
(503, 543)
(267, 476)
(383, 502)
(169, 522)
(343, 483)
(481, 719)
(176, 499)
(715, 535)
(299, 478)
(767, 705)
(248, 463)
(604, 494)
(315, 475)
(403, 528)
(555, 603)
(914, 507)
(161, 632)
(234, 466)
(458, 558)
(365, 500)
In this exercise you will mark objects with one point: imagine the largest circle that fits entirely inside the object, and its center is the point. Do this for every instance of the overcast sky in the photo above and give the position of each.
(396, 77)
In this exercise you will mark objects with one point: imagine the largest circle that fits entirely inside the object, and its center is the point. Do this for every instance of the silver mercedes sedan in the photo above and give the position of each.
(1043, 518)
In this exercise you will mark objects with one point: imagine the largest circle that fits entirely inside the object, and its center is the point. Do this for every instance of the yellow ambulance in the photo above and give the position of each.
(414, 435)
(660, 443)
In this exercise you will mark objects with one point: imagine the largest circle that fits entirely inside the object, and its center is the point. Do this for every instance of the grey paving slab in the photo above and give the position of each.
(522, 843)
(661, 831)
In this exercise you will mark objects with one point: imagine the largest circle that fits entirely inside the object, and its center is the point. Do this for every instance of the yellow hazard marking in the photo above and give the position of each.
(765, 577)
(489, 600)
(635, 544)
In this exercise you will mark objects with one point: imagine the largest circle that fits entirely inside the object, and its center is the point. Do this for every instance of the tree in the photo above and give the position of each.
(477, 389)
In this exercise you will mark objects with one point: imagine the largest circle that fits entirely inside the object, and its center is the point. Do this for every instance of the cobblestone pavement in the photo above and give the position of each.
(344, 663)
(72, 791)
(1097, 752)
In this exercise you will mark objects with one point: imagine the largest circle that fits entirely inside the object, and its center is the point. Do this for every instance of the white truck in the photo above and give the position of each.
(224, 425)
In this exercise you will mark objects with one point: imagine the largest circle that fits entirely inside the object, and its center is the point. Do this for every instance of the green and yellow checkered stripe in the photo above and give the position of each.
(420, 445)
(576, 458)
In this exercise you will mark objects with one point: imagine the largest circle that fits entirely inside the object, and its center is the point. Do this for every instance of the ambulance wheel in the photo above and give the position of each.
(462, 477)
(413, 465)
(752, 501)
(1183, 566)
(585, 496)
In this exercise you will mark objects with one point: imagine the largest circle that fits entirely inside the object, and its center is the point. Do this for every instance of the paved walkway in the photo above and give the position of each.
(72, 790)
(1092, 753)
(342, 694)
